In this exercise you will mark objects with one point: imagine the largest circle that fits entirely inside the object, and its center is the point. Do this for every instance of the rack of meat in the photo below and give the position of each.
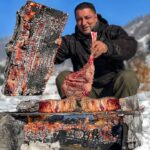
(32, 49)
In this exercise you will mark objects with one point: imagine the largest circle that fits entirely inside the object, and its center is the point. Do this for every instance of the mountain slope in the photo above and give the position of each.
(140, 63)
(139, 27)
(3, 42)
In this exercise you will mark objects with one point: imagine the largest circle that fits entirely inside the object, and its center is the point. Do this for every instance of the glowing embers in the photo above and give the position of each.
(81, 130)
(32, 49)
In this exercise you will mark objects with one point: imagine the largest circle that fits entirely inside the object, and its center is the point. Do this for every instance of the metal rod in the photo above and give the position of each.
(119, 113)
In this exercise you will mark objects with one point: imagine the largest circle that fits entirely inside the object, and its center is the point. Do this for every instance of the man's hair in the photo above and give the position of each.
(84, 5)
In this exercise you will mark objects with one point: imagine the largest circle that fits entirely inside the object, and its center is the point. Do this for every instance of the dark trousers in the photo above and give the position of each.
(123, 85)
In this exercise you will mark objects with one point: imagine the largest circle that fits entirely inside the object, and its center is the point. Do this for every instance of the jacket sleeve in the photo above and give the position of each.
(121, 46)
(63, 51)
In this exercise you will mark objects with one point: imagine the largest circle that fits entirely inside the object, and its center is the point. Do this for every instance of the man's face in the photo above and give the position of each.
(86, 19)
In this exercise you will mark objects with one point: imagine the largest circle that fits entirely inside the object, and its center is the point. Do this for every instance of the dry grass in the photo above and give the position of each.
(143, 73)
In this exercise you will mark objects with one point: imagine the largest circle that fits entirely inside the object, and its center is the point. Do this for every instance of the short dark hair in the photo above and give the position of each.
(84, 5)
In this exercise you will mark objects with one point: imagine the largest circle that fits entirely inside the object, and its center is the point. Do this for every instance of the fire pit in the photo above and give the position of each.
(80, 130)
(32, 49)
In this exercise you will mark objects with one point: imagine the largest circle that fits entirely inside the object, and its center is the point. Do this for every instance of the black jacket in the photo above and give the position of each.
(120, 47)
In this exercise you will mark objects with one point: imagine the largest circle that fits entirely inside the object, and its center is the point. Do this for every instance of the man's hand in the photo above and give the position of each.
(98, 48)
(58, 41)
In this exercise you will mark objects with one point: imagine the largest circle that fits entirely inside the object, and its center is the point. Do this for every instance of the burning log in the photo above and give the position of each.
(98, 105)
(32, 49)
(28, 106)
(76, 131)
(127, 105)
(83, 132)
(57, 106)
(70, 104)
(84, 104)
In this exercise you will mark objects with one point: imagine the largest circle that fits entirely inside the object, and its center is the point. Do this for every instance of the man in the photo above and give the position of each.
(112, 47)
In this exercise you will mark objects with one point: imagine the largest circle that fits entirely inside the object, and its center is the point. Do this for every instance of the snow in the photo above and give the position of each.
(147, 60)
(3, 62)
(133, 28)
(144, 100)
(143, 41)
(41, 146)
(9, 103)
(51, 88)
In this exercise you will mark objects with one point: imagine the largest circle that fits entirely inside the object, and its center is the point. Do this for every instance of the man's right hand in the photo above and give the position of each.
(58, 41)
(98, 48)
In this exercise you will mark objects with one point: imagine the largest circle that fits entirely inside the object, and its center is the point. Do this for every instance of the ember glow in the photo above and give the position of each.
(102, 130)
(32, 50)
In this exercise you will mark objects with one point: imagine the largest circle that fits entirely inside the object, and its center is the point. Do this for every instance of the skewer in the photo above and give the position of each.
(107, 113)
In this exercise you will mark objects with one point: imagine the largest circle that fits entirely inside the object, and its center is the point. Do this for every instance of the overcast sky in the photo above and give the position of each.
(118, 12)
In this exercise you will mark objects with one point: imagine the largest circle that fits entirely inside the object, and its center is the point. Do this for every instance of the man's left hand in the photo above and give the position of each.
(98, 48)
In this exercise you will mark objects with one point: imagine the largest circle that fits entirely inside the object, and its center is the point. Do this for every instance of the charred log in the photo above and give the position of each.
(28, 106)
(32, 49)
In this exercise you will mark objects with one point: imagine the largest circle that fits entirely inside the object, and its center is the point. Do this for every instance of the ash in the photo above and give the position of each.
(41, 146)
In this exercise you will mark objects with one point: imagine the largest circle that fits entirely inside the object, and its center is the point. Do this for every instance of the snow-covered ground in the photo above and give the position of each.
(8, 103)
(144, 100)
(41, 146)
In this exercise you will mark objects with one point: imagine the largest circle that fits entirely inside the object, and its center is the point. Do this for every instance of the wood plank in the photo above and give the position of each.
(32, 49)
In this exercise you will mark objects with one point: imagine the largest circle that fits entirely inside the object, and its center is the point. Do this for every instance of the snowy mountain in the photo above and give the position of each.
(140, 63)
(3, 42)
(2, 68)
(140, 29)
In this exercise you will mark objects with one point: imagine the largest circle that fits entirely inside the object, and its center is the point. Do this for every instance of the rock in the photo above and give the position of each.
(11, 133)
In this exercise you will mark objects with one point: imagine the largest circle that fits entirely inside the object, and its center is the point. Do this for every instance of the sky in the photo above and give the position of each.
(119, 12)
